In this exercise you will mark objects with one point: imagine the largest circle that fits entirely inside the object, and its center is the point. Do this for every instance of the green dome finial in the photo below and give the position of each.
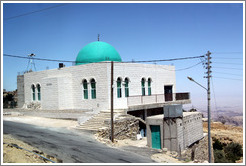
(97, 52)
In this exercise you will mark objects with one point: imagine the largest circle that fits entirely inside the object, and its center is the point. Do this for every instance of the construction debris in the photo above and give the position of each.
(125, 128)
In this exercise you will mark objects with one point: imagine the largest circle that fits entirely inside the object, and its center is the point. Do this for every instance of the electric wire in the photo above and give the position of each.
(215, 103)
(228, 68)
(25, 14)
(228, 78)
(183, 68)
(227, 73)
(233, 52)
(228, 63)
(225, 58)
(160, 60)
(41, 59)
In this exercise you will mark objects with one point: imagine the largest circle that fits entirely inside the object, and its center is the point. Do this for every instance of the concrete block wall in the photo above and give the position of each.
(178, 133)
(20, 92)
(170, 134)
(154, 120)
(192, 127)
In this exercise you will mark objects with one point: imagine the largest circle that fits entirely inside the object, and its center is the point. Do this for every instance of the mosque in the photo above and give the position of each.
(87, 84)
(141, 90)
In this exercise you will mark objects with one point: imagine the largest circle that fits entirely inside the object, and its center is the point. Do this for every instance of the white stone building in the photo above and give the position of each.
(86, 86)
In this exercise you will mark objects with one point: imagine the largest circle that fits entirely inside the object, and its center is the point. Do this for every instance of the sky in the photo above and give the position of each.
(138, 31)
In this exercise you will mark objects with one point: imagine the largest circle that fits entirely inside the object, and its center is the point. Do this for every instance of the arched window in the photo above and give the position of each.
(126, 87)
(149, 86)
(39, 92)
(85, 89)
(119, 87)
(143, 86)
(93, 88)
(33, 93)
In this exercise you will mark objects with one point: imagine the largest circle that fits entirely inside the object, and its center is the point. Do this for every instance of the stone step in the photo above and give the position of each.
(98, 120)
(90, 128)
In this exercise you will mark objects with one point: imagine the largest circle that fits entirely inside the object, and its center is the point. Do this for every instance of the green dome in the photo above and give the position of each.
(97, 52)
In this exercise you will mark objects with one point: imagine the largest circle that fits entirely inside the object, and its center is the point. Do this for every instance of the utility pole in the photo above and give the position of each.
(208, 95)
(112, 101)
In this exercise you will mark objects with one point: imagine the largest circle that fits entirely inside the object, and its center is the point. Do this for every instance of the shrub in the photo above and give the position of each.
(219, 157)
(233, 151)
(217, 145)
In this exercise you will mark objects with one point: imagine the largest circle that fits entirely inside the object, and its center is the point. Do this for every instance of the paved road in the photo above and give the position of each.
(70, 146)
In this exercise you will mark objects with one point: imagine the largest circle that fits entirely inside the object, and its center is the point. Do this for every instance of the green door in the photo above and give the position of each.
(156, 137)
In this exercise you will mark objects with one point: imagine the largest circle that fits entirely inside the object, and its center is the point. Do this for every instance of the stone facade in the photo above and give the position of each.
(20, 92)
(62, 88)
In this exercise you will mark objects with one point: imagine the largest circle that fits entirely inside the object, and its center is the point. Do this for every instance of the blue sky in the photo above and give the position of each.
(138, 32)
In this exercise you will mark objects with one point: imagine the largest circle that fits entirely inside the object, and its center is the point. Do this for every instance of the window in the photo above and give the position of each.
(119, 87)
(149, 86)
(85, 89)
(33, 93)
(93, 88)
(39, 92)
(143, 86)
(126, 87)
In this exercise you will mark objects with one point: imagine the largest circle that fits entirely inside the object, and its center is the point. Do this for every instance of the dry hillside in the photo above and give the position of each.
(225, 133)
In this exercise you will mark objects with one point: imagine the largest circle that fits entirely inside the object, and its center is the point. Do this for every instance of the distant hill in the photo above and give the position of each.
(230, 120)
(227, 117)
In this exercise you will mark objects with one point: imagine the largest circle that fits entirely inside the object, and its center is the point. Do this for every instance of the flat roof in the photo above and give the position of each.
(162, 115)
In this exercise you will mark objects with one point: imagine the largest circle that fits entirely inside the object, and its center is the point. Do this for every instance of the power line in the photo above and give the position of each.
(183, 68)
(161, 60)
(25, 14)
(189, 67)
(227, 73)
(225, 58)
(229, 78)
(233, 52)
(214, 97)
(228, 68)
(228, 63)
(41, 59)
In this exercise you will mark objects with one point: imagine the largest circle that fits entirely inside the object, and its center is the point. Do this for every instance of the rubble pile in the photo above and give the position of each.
(126, 128)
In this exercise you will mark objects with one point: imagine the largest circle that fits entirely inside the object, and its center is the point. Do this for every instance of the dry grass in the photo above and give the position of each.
(225, 133)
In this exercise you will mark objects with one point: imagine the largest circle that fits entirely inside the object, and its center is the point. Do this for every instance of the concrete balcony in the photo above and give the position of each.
(157, 100)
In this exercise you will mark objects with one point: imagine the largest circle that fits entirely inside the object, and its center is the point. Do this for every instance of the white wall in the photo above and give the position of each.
(160, 74)
(62, 88)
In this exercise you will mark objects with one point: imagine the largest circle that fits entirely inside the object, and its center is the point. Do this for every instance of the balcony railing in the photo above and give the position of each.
(157, 98)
